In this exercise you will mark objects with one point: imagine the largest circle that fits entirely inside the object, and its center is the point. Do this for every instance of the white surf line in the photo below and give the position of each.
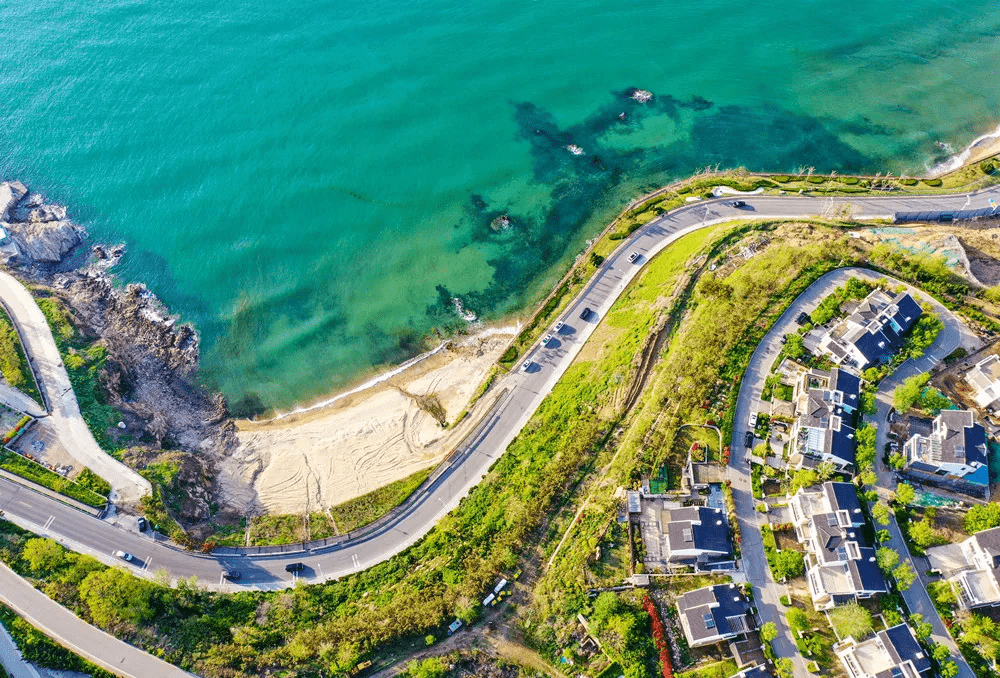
(957, 161)
(363, 387)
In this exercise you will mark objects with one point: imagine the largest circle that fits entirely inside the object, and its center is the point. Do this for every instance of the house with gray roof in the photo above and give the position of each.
(951, 455)
(873, 332)
(826, 404)
(695, 535)
(840, 563)
(984, 380)
(892, 653)
(713, 614)
(972, 567)
(759, 671)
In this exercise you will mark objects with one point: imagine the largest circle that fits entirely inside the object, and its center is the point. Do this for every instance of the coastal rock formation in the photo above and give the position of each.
(41, 233)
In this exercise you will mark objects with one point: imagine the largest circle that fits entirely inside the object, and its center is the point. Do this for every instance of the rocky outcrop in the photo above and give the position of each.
(150, 374)
(40, 232)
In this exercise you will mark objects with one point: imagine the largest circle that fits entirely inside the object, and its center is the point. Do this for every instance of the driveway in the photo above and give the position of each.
(754, 561)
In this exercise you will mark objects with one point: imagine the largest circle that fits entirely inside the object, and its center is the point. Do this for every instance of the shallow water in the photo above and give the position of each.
(312, 182)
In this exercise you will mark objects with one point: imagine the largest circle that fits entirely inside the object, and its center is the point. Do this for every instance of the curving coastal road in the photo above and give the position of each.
(522, 393)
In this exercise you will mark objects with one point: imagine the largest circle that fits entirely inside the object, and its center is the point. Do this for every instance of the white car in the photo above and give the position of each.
(559, 326)
(753, 420)
(526, 365)
(547, 340)
(127, 557)
(634, 257)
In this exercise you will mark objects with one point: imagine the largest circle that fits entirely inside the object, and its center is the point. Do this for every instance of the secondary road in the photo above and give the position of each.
(40, 347)
(524, 391)
(72, 632)
(954, 334)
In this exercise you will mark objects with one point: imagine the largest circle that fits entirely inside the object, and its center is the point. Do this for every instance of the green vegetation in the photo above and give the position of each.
(271, 530)
(13, 361)
(784, 563)
(851, 621)
(93, 482)
(38, 649)
(37, 473)
(913, 392)
(362, 510)
(163, 478)
(720, 669)
(830, 307)
(83, 359)
(982, 517)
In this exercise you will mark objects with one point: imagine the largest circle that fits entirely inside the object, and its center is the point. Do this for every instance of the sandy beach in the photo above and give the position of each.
(351, 444)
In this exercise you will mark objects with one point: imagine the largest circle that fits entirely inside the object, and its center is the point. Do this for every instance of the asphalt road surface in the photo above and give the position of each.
(754, 562)
(525, 391)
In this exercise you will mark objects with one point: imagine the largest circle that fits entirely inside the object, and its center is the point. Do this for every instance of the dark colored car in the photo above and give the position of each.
(802, 318)
(738, 203)
(294, 567)
(585, 313)
(232, 575)
(142, 524)
(748, 439)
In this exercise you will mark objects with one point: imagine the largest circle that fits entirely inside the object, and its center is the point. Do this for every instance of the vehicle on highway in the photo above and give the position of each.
(559, 326)
(142, 524)
(294, 567)
(738, 203)
(232, 575)
(547, 340)
(526, 365)
(748, 439)
(802, 318)
(585, 313)
(127, 557)
(634, 257)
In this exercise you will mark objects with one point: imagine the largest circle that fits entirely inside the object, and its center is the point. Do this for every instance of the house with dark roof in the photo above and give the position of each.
(694, 535)
(951, 455)
(892, 653)
(873, 332)
(840, 563)
(713, 614)
(759, 671)
(972, 567)
(826, 404)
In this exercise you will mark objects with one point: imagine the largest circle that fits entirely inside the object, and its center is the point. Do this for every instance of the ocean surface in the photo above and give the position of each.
(312, 182)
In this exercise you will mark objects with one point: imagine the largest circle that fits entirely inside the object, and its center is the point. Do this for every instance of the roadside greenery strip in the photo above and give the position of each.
(29, 470)
(40, 650)
(13, 362)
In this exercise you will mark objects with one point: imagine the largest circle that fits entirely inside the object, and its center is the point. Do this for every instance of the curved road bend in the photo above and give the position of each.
(72, 632)
(526, 391)
(954, 334)
(40, 347)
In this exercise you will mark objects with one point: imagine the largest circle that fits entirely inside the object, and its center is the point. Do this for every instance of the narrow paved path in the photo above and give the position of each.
(127, 486)
(954, 334)
(70, 631)
(11, 660)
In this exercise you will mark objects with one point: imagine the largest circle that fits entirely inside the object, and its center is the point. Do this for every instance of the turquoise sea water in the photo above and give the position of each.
(311, 182)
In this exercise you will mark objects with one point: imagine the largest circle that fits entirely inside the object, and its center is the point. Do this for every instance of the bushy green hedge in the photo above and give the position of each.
(37, 473)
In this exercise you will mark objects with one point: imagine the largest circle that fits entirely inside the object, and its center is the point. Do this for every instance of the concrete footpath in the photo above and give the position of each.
(73, 633)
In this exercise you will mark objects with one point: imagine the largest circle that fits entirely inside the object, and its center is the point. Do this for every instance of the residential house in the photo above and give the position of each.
(713, 614)
(984, 379)
(840, 563)
(972, 567)
(951, 455)
(826, 404)
(694, 535)
(892, 653)
(759, 671)
(873, 332)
